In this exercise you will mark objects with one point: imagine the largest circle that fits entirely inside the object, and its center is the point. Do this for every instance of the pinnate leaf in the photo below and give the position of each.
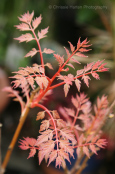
(74, 60)
(79, 72)
(31, 81)
(69, 64)
(49, 65)
(95, 75)
(95, 66)
(66, 89)
(36, 22)
(24, 37)
(30, 141)
(45, 125)
(39, 81)
(31, 53)
(52, 156)
(40, 115)
(70, 111)
(84, 50)
(86, 78)
(27, 17)
(88, 67)
(78, 44)
(78, 151)
(55, 114)
(59, 59)
(43, 33)
(23, 27)
(80, 54)
(59, 161)
(61, 123)
(32, 153)
(78, 84)
(67, 51)
(86, 151)
(45, 81)
(71, 46)
(93, 149)
(84, 42)
(48, 51)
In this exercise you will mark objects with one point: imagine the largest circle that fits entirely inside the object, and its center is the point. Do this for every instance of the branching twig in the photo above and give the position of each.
(17, 132)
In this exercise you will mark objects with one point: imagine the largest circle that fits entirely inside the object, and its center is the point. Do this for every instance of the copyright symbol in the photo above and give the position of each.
(50, 6)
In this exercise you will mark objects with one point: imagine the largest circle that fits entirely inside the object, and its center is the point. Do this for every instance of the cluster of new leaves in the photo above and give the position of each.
(90, 144)
(91, 68)
(30, 24)
(30, 75)
(55, 141)
(83, 74)
(91, 124)
(58, 138)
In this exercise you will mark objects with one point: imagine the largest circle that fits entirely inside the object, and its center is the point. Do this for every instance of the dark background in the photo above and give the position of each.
(67, 20)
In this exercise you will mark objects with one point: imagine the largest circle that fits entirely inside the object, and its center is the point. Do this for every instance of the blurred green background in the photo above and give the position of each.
(67, 20)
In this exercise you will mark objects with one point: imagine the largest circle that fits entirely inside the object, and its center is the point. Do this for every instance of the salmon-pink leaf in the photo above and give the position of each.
(86, 151)
(36, 22)
(88, 67)
(102, 66)
(29, 69)
(96, 65)
(71, 46)
(43, 33)
(30, 141)
(27, 17)
(59, 58)
(40, 156)
(48, 51)
(80, 54)
(84, 42)
(39, 81)
(66, 89)
(24, 147)
(52, 156)
(66, 69)
(86, 78)
(49, 65)
(24, 37)
(78, 44)
(84, 50)
(40, 115)
(69, 64)
(79, 72)
(74, 60)
(67, 51)
(78, 151)
(45, 81)
(45, 125)
(23, 27)
(93, 149)
(31, 81)
(32, 153)
(95, 75)
(78, 84)
(31, 53)
(55, 114)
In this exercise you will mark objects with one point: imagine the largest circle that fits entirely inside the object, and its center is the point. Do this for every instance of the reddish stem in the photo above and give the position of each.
(75, 118)
(40, 51)
(62, 83)
(60, 68)
(45, 109)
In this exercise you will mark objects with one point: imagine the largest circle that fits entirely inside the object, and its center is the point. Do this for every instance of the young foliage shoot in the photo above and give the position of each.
(81, 127)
